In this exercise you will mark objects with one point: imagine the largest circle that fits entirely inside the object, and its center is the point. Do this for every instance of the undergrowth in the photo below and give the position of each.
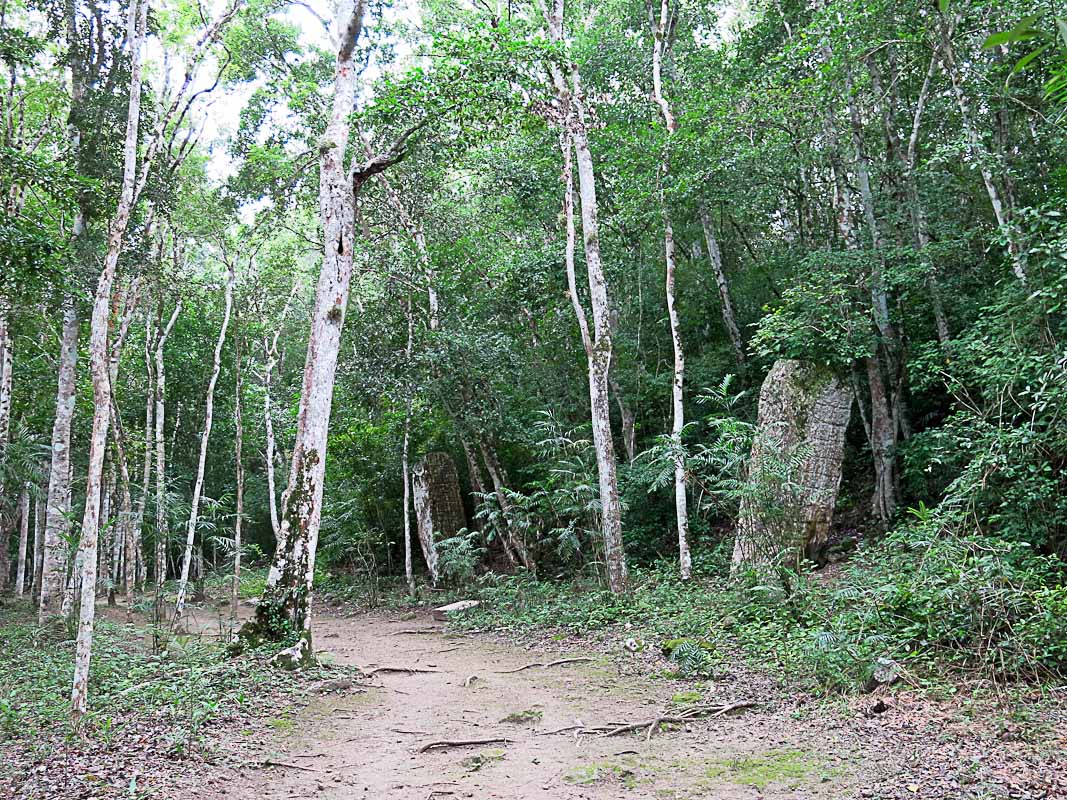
(916, 607)
(175, 692)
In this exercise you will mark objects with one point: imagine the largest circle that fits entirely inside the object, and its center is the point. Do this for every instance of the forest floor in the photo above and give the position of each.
(351, 730)
(363, 739)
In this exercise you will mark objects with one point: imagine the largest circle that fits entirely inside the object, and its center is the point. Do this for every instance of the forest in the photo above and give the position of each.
(533, 399)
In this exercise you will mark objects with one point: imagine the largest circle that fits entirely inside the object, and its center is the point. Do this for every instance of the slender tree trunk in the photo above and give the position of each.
(270, 360)
(729, 318)
(107, 531)
(38, 541)
(124, 559)
(24, 540)
(659, 37)
(237, 454)
(289, 583)
(598, 342)
(7, 347)
(7, 358)
(409, 573)
(146, 466)
(162, 521)
(198, 484)
(500, 482)
(912, 197)
(978, 153)
(138, 16)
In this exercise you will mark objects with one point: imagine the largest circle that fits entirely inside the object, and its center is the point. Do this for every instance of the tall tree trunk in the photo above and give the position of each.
(979, 154)
(912, 197)
(729, 318)
(237, 454)
(289, 583)
(24, 540)
(270, 360)
(38, 540)
(162, 521)
(205, 435)
(409, 573)
(515, 540)
(7, 359)
(597, 342)
(660, 44)
(886, 401)
(7, 347)
(137, 527)
(124, 555)
(138, 17)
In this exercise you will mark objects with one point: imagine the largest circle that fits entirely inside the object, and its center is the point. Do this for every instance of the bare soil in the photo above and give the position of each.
(363, 741)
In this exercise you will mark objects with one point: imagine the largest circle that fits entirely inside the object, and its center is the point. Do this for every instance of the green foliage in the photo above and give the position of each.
(458, 556)
(181, 689)
(924, 603)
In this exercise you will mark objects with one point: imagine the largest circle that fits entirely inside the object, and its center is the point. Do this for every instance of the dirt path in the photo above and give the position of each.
(363, 742)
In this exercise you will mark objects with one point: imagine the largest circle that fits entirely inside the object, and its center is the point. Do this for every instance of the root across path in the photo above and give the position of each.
(471, 717)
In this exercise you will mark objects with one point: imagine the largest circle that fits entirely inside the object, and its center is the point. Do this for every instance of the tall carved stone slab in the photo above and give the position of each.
(438, 504)
(795, 468)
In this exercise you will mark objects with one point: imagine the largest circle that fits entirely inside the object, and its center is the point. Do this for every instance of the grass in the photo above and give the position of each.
(180, 689)
(789, 768)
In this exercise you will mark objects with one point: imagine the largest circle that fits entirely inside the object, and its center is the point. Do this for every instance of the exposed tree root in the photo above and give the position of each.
(650, 725)
(546, 665)
(462, 743)
(376, 670)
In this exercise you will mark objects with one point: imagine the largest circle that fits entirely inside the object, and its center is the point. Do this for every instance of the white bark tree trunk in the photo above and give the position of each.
(424, 518)
(409, 573)
(205, 436)
(598, 349)
(729, 318)
(289, 583)
(137, 528)
(979, 154)
(659, 38)
(136, 28)
(237, 454)
(162, 521)
(270, 360)
(24, 540)
(7, 358)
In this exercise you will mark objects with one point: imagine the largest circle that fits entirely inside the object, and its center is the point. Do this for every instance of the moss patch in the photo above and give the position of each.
(687, 698)
(625, 772)
(527, 717)
(479, 760)
(786, 767)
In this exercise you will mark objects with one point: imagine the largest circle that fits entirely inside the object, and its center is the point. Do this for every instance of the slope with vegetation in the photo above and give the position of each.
(722, 330)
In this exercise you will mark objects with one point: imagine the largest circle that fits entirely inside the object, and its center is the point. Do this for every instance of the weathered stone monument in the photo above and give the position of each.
(795, 470)
(438, 504)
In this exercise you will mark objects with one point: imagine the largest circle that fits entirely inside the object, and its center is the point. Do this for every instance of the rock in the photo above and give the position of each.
(795, 468)
(442, 613)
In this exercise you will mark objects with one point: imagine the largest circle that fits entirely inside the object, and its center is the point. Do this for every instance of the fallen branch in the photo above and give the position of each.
(409, 670)
(565, 729)
(544, 665)
(462, 743)
(269, 763)
(412, 631)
